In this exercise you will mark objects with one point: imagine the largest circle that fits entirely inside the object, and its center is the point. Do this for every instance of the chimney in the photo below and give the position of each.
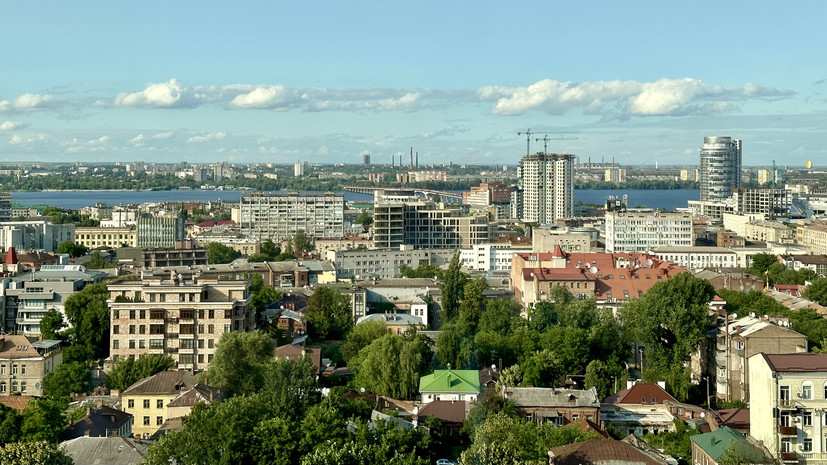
(411, 157)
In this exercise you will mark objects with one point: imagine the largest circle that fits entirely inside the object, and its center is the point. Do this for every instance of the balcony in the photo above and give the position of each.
(813, 455)
(788, 404)
(789, 457)
(787, 430)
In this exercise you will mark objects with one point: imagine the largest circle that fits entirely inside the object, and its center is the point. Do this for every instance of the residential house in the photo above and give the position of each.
(24, 364)
(296, 352)
(560, 406)
(401, 295)
(397, 323)
(181, 405)
(787, 402)
(601, 452)
(147, 399)
(639, 409)
(450, 385)
(451, 414)
(735, 418)
(109, 450)
(101, 421)
(724, 443)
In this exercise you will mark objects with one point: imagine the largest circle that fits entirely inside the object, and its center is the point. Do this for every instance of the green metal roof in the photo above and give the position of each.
(451, 381)
(716, 443)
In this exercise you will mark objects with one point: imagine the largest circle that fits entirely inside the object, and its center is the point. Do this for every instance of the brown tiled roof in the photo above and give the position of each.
(198, 393)
(165, 382)
(600, 451)
(588, 425)
(737, 418)
(16, 346)
(641, 393)
(796, 363)
(16, 402)
(295, 352)
(446, 410)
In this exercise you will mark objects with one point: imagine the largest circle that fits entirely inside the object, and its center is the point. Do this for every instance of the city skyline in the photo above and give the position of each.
(456, 82)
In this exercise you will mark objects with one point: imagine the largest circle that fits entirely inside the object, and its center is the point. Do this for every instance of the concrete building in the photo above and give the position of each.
(147, 399)
(181, 316)
(35, 234)
(27, 297)
(642, 231)
(394, 296)
(772, 203)
(769, 231)
(740, 339)
(817, 263)
(720, 170)
(487, 193)
(787, 401)
(94, 237)
(347, 242)
(569, 239)
(24, 364)
(384, 263)
(159, 231)
(495, 256)
(547, 183)
(279, 216)
(813, 236)
(298, 168)
(402, 218)
(5, 206)
(698, 257)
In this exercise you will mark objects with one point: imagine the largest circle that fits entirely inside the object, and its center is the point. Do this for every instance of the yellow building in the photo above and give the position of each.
(148, 398)
(94, 237)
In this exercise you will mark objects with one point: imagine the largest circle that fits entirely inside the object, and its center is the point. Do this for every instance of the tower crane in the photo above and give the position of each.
(528, 134)
(546, 138)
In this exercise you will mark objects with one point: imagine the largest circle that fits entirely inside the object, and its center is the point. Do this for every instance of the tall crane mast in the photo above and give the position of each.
(528, 134)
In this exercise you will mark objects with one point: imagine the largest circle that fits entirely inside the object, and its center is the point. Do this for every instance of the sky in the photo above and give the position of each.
(325, 82)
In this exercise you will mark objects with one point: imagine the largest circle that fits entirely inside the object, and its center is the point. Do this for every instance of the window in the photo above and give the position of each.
(14, 369)
(132, 314)
(200, 329)
(23, 369)
(131, 329)
(186, 343)
(808, 445)
(146, 403)
(115, 329)
(159, 403)
(807, 419)
(159, 421)
(2, 387)
(22, 386)
(212, 313)
(186, 359)
(115, 314)
(200, 358)
(131, 403)
(115, 344)
(200, 343)
(807, 391)
(2, 369)
(142, 329)
(14, 386)
(156, 314)
(143, 314)
(146, 421)
(156, 343)
(142, 344)
(187, 314)
(132, 343)
(210, 329)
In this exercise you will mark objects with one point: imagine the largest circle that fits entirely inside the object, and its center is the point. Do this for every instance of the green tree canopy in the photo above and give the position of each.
(88, 314)
(10, 422)
(69, 247)
(240, 361)
(361, 336)
(68, 378)
(52, 324)
(817, 291)
(328, 314)
(453, 286)
(33, 453)
(392, 365)
(220, 253)
(43, 420)
(424, 270)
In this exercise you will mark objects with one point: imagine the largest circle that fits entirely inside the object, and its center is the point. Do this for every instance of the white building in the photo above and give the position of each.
(698, 257)
(720, 171)
(547, 182)
(491, 256)
(278, 216)
(642, 231)
(37, 234)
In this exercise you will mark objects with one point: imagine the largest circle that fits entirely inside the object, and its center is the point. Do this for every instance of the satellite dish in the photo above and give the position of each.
(593, 269)
(752, 314)
(734, 316)
(649, 262)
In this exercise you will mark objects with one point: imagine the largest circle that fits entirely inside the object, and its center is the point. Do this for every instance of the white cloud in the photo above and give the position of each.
(265, 97)
(26, 140)
(170, 94)
(137, 139)
(208, 137)
(32, 101)
(662, 97)
(163, 135)
(12, 125)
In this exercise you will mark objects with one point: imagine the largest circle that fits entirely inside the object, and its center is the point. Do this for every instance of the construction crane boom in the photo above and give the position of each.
(546, 138)
(528, 134)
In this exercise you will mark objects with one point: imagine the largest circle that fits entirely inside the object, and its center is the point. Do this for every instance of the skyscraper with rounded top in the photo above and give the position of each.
(720, 168)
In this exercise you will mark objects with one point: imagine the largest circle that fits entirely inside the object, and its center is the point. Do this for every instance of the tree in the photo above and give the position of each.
(96, 262)
(670, 320)
(10, 422)
(240, 361)
(220, 253)
(328, 314)
(598, 377)
(43, 420)
(364, 219)
(392, 365)
(68, 378)
(51, 324)
(540, 370)
(88, 314)
(126, 370)
(453, 284)
(263, 295)
(33, 453)
(817, 291)
(300, 242)
(290, 386)
(472, 306)
(810, 323)
(69, 247)
(361, 336)
(269, 249)
(424, 270)
(761, 263)
(676, 443)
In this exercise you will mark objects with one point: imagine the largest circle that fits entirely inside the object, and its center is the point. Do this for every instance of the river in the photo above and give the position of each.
(668, 199)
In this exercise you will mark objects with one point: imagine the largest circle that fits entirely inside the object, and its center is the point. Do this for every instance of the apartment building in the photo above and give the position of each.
(24, 363)
(770, 202)
(384, 263)
(547, 183)
(147, 400)
(181, 316)
(787, 405)
(35, 234)
(813, 236)
(158, 231)
(642, 231)
(278, 216)
(769, 231)
(698, 257)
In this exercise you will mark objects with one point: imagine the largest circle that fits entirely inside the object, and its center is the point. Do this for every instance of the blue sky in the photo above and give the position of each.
(280, 82)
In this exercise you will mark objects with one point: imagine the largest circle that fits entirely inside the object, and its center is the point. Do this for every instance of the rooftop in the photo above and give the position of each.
(716, 443)
(98, 422)
(552, 397)
(796, 363)
(600, 451)
(641, 393)
(163, 383)
(108, 450)
(451, 381)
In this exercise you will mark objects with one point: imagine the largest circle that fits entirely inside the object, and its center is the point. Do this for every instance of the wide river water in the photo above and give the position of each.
(668, 199)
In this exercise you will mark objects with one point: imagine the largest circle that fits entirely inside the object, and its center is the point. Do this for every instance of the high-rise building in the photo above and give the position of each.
(547, 181)
(720, 168)
(277, 216)
(642, 231)
(298, 168)
(5, 206)
(366, 159)
(159, 231)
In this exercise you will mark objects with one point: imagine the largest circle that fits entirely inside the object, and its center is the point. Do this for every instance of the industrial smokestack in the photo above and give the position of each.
(411, 157)
(417, 160)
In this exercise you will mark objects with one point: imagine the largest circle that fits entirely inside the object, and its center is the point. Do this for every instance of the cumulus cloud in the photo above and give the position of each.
(266, 97)
(208, 137)
(12, 125)
(33, 102)
(137, 139)
(163, 135)
(662, 97)
(28, 139)
(170, 94)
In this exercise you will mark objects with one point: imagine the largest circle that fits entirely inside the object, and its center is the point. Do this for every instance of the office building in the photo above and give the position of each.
(95, 237)
(278, 216)
(5, 206)
(35, 235)
(642, 231)
(401, 218)
(720, 168)
(180, 316)
(547, 182)
(159, 231)
(487, 193)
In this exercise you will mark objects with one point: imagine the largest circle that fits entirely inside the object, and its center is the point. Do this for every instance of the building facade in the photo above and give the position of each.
(35, 235)
(547, 182)
(642, 231)
(94, 237)
(384, 263)
(279, 216)
(159, 231)
(720, 171)
(183, 317)
(24, 364)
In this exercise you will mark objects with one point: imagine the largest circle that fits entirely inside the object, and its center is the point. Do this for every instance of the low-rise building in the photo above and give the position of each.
(639, 409)
(451, 385)
(111, 237)
(713, 447)
(641, 231)
(24, 364)
(101, 421)
(817, 263)
(556, 405)
(691, 257)
(813, 236)
(147, 399)
(385, 263)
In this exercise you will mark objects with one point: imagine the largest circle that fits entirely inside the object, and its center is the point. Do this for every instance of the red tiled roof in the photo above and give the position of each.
(552, 274)
(445, 410)
(600, 451)
(641, 393)
(11, 257)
